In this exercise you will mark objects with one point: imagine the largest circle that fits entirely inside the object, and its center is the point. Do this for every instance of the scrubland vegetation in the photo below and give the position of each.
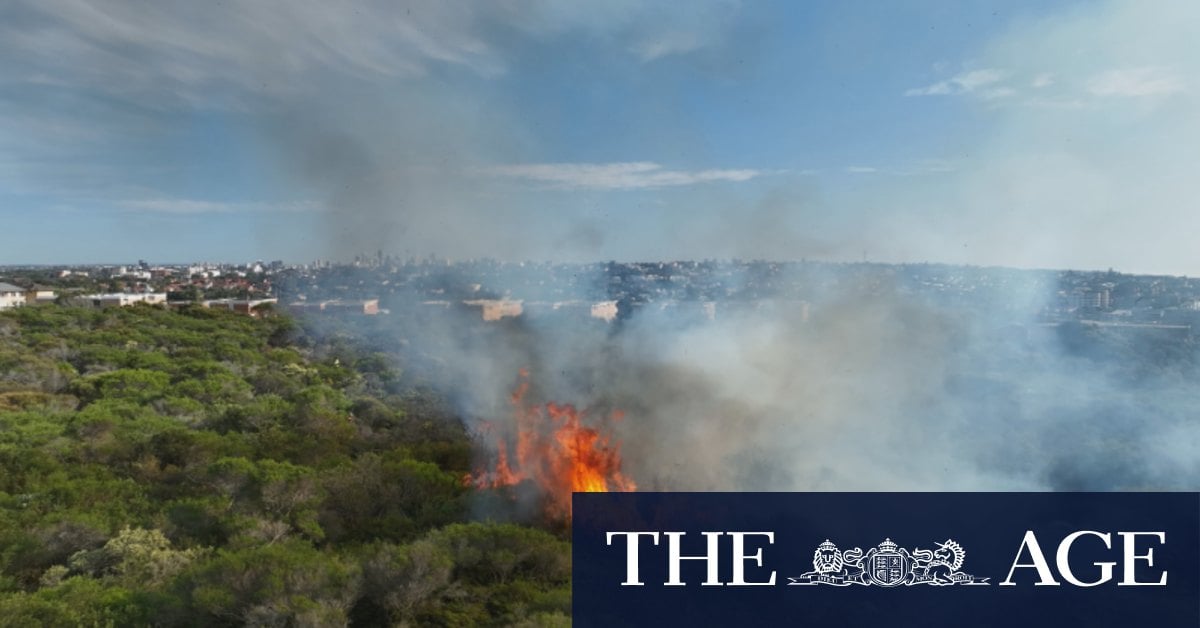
(206, 468)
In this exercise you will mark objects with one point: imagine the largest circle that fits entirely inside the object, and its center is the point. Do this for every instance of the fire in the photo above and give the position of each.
(558, 452)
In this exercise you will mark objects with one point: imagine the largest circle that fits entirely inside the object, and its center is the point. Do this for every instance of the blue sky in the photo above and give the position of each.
(1006, 133)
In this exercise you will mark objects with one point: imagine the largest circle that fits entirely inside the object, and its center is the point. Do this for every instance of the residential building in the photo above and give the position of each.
(368, 307)
(248, 307)
(11, 296)
(121, 299)
(39, 294)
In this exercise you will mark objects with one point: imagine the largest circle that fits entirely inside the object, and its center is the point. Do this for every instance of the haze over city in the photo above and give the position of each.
(326, 313)
(994, 133)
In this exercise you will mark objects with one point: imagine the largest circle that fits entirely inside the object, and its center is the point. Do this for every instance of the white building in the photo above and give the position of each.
(39, 295)
(605, 311)
(11, 296)
(121, 299)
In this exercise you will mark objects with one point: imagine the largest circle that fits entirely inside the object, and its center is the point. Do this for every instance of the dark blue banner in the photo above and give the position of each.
(886, 559)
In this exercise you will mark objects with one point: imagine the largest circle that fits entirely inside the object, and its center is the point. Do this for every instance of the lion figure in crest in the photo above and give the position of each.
(829, 561)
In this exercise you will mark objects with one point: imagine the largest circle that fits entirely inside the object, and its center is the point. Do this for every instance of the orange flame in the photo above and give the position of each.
(558, 452)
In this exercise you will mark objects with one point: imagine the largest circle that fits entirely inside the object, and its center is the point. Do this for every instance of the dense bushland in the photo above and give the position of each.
(201, 467)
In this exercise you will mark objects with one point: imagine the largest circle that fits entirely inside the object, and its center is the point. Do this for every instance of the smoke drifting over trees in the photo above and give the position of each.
(452, 130)
(866, 384)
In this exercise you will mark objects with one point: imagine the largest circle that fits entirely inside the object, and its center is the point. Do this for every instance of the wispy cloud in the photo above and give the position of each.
(656, 34)
(1060, 103)
(1044, 79)
(666, 45)
(618, 176)
(916, 168)
(997, 93)
(1046, 90)
(171, 52)
(1136, 82)
(178, 53)
(964, 83)
(166, 205)
(927, 167)
(1102, 124)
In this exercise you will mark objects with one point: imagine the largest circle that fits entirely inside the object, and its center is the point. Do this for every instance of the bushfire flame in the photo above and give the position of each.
(559, 453)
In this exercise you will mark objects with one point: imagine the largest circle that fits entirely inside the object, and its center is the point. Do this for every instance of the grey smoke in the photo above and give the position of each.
(877, 388)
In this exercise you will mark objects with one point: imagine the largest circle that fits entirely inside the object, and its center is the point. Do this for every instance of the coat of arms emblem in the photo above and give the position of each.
(888, 565)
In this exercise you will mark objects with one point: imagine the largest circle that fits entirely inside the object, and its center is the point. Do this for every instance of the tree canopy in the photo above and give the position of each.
(201, 467)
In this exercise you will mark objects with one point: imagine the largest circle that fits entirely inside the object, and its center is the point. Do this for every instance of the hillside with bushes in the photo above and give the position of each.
(205, 468)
